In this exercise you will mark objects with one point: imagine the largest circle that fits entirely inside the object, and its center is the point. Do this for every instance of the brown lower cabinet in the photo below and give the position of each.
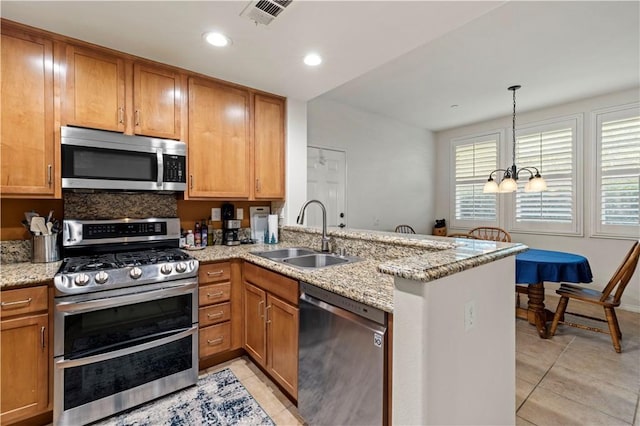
(271, 318)
(25, 358)
(219, 310)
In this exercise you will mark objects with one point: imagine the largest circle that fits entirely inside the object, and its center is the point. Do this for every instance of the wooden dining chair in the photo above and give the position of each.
(609, 299)
(491, 233)
(462, 235)
(405, 229)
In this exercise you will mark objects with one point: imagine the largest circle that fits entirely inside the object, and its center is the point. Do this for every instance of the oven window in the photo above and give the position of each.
(107, 330)
(94, 381)
(97, 163)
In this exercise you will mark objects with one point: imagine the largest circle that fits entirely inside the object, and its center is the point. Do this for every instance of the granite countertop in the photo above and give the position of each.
(369, 281)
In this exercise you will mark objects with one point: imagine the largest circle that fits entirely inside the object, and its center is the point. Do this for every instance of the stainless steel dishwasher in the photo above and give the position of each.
(341, 359)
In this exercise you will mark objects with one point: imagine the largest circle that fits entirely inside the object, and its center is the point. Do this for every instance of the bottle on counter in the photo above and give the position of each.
(203, 234)
(190, 238)
(197, 235)
(210, 234)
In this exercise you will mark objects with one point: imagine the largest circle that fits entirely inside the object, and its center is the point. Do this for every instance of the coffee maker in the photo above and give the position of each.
(230, 232)
(230, 226)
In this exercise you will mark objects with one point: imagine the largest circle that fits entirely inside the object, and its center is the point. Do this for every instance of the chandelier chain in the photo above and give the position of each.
(513, 128)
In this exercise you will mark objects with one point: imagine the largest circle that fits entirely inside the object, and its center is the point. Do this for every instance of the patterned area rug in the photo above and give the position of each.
(217, 399)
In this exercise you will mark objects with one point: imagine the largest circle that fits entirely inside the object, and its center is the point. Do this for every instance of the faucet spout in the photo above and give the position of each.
(300, 220)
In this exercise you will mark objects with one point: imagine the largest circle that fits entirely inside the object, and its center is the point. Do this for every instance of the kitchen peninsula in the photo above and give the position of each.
(443, 369)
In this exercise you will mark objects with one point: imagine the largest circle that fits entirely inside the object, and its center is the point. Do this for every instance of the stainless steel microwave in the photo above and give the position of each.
(97, 159)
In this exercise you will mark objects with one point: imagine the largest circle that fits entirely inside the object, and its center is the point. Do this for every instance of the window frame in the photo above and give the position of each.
(498, 135)
(575, 228)
(598, 230)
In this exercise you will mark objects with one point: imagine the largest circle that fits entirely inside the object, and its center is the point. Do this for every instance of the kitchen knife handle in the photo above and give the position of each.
(49, 171)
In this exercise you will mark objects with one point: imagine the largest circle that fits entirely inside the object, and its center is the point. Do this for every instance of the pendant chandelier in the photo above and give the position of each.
(509, 181)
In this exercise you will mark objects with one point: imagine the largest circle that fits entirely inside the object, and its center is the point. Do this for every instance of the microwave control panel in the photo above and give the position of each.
(174, 168)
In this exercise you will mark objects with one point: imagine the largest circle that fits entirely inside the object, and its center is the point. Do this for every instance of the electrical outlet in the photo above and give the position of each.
(470, 315)
(239, 213)
(216, 213)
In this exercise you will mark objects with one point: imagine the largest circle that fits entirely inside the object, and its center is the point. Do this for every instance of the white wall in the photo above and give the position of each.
(390, 165)
(604, 254)
(296, 163)
(444, 373)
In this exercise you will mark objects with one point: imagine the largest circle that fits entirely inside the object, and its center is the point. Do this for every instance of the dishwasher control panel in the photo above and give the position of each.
(342, 302)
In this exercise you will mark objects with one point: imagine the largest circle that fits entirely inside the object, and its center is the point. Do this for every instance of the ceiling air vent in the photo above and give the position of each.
(264, 11)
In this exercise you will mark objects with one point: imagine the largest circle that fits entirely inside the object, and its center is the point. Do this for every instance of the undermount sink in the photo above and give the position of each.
(284, 253)
(305, 258)
(317, 260)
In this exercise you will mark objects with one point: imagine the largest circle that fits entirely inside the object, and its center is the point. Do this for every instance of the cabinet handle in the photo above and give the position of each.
(137, 117)
(191, 181)
(42, 343)
(257, 185)
(215, 273)
(215, 341)
(121, 115)
(49, 170)
(261, 311)
(266, 311)
(216, 315)
(19, 302)
(216, 294)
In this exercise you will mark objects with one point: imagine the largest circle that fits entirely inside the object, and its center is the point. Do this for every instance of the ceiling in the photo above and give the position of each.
(408, 60)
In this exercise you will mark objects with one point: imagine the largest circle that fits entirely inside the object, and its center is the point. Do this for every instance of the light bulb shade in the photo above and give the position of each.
(508, 185)
(491, 187)
(527, 186)
(537, 184)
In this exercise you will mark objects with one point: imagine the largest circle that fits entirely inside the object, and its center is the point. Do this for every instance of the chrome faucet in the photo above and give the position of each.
(300, 220)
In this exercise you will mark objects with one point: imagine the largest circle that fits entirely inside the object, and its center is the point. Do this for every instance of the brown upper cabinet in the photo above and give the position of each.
(28, 143)
(106, 91)
(269, 118)
(219, 140)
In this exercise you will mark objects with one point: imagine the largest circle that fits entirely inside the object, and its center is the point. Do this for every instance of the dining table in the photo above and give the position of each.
(534, 267)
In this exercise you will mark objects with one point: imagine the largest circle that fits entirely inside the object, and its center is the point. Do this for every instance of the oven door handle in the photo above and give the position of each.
(126, 351)
(92, 305)
(160, 160)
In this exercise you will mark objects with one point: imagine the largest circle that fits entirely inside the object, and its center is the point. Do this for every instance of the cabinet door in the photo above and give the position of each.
(282, 343)
(24, 362)
(94, 93)
(254, 323)
(219, 140)
(27, 102)
(157, 101)
(269, 147)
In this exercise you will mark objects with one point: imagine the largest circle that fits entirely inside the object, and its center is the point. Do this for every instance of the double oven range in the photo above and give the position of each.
(126, 317)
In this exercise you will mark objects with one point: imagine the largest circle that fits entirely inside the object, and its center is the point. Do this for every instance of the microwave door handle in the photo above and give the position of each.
(160, 167)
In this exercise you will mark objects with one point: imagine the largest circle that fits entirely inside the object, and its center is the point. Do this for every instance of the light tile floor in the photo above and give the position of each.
(575, 378)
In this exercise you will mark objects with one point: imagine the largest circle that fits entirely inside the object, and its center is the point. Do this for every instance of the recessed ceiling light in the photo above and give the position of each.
(454, 106)
(217, 39)
(312, 59)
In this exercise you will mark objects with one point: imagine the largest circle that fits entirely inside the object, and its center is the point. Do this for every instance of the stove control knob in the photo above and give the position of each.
(181, 267)
(101, 277)
(81, 279)
(135, 273)
(166, 269)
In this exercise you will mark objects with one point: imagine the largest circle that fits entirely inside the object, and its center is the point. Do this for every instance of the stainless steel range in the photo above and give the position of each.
(126, 317)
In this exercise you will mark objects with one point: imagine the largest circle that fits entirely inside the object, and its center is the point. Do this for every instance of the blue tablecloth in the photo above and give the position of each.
(535, 266)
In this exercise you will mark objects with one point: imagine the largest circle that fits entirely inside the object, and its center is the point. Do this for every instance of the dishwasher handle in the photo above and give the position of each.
(357, 319)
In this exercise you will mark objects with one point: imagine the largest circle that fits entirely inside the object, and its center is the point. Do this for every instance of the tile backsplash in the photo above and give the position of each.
(109, 205)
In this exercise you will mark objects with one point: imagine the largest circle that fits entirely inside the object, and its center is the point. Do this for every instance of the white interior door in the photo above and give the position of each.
(326, 182)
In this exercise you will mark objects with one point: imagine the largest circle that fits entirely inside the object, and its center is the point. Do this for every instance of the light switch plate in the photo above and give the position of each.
(239, 213)
(216, 213)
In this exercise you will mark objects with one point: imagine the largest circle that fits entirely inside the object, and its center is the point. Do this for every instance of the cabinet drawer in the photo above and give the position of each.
(283, 287)
(215, 339)
(23, 301)
(214, 293)
(214, 314)
(214, 273)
